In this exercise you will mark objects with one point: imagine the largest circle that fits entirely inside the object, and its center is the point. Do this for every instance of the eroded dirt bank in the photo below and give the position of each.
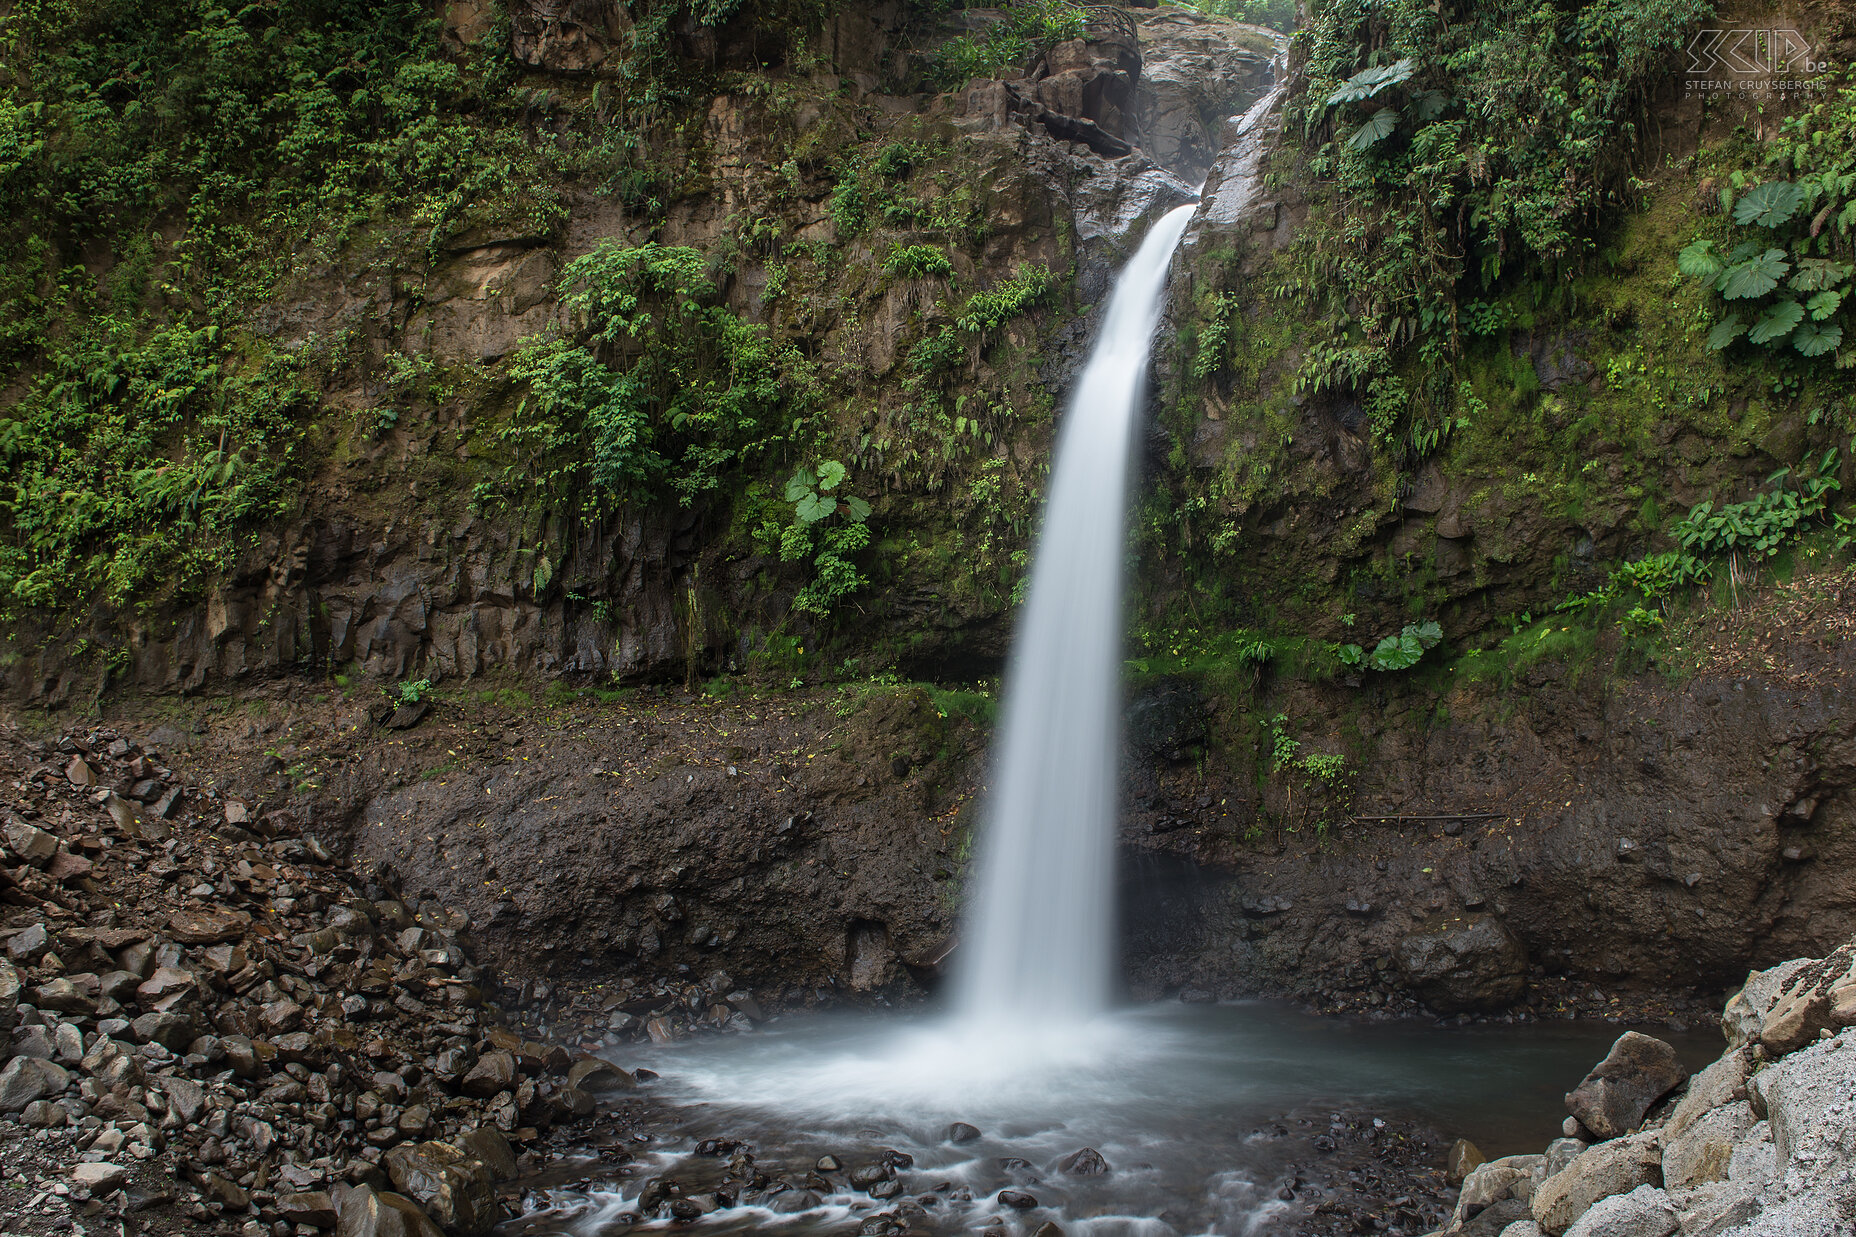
(1570, 841)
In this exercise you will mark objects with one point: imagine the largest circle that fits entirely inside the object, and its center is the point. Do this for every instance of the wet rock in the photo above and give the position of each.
(829, 1164)
(961, 1132)
(1464, 963)
(594, 1074)
(864, 1177)
(366, 1212)
(1087, 1162)
(1463, 1159)
(1644, 1212)
(314, 1208)
(1638, 1071)
(1166, 721)
(1018, 1200)
(29, 842)
(28, 944)
(1615, 1167)
(458, 1192)
(26, 1079)
(792, 1202)
(495, 1072)
(487, 1146)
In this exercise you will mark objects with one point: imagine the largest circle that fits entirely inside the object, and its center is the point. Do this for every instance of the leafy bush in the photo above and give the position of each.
(917, 261)
(131, 463)
(1278, 15)
(1764, 523)
(1467, 144)
(658, 389)
(829, 544)
(1405, 650)
(1784, 287)
(993, 308)
(1024, 31)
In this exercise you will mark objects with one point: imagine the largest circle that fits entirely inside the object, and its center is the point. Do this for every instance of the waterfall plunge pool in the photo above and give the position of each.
(1205, 1114)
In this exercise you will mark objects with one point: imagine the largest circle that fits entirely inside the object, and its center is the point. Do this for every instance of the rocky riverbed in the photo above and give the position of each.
(1761, 1143)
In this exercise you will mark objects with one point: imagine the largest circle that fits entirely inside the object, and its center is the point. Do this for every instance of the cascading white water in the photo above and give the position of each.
(1038, 944)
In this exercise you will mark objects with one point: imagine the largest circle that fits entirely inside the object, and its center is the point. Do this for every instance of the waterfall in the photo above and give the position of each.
(1039, 942)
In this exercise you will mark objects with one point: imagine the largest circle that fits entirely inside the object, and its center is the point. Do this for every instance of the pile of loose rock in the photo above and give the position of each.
(1762, 1143)
(202, 1013)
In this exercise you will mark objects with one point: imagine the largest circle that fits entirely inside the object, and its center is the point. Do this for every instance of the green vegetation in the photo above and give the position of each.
(1780, 286)
(700, 391)
(1470, 146)
(814, 536)
(917, 262)
(1007, 47)
(1278, 15)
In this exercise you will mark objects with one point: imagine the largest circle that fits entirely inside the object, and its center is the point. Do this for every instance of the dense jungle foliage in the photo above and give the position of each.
(1480, 176)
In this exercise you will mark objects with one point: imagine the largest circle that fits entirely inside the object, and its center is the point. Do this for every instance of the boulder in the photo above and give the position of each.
(1638, 1071)
(494, 1072)
(1714, 1209)
(488, 1147)
(1795, 1019)
(457, 1191)
(9, 996)
(99, 1178)
(1809, 1104)
(1464, 1158)
(26, 1079)
(1746, 1010)
(1615, 1167)
(1465, 962)
(30, 842)
(363, 1211)
(1707, 1091)
(1523, 1228)
(595, 1074)
(1704, 1150)
(1644, 1212)
(312, 1207)
(1511, 1177)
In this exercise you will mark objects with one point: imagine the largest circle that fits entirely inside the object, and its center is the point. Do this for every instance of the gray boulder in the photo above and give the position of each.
(1638, 1071)
(1746, 1010)
(1809, 1097)
(26, 1079)
(9, 996)
(1615, 1167)
(1704, 1151)
(1644, 1212)
(1707, 1091)
(1465, 962)
(1714, 1209)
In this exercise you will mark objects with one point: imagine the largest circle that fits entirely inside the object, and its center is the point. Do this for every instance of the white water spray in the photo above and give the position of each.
(1039, 943)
